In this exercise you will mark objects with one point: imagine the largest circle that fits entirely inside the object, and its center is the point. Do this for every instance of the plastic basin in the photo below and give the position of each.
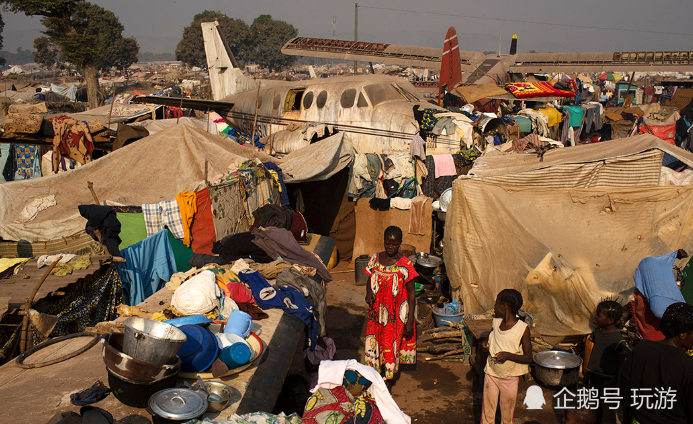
(199, 350)
(439, 316)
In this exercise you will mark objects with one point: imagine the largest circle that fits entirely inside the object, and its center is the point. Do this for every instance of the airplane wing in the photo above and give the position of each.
(186, 103)
(475, 64)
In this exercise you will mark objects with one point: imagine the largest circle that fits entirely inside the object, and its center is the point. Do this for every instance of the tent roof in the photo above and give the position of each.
(512, 163)
(153, 169)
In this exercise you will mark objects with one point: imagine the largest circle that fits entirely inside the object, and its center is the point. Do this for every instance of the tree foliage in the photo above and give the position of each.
(191, 49)
(45, 52)
(86, 35)
(20, 57)
(268, 36)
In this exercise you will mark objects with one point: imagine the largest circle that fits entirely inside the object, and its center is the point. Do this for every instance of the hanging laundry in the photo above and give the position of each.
(163, 214)
(149, 264)
(104, 220)
(444, 165)
(73, 139)
(203, 224)
(417, 149)
(25, 155)
(187, 205)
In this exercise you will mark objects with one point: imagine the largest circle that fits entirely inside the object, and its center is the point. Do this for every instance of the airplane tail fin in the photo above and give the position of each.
(513, 45)
(450, 68)
(311, 70)
(224, 75)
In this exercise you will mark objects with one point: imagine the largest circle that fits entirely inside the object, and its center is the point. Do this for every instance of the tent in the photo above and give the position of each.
(566, 231)
(153, 169)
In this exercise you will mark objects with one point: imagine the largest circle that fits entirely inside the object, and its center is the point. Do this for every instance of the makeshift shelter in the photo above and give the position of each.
(151, 170)
(565, 231)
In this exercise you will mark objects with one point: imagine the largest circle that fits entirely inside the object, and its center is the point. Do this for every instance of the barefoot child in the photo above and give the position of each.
(510, 353)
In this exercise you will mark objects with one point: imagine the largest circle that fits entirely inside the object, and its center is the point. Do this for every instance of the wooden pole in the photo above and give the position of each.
(111, 110)
(181, 108)
(28, 303)
(257, 107)
(206, 171)
(93, 193)
(270, 125)
(208, 119)
(626, 99)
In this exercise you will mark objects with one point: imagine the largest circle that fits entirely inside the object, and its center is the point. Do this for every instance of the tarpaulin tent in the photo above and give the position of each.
(564, 244)
(70, 91)
(150, 170)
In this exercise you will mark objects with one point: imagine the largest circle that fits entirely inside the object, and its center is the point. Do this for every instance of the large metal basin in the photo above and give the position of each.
(152, 341)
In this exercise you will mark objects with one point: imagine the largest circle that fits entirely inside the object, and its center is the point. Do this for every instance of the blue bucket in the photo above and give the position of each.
(440, 314)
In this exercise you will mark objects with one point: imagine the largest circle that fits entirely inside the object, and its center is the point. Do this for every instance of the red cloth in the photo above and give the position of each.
(202, 229)
(239, 293)
(337, 406)
(646, 322)
(385, 341)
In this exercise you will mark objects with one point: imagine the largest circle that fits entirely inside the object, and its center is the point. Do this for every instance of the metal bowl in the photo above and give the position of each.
(151, 340)
(131, 368)
(219, 395)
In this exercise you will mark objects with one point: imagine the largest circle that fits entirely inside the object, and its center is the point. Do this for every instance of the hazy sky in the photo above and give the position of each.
(158, 24)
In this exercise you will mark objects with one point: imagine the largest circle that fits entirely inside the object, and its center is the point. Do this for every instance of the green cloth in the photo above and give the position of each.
(132, 229)
(524, 123)
(576, 114)
(181, 252)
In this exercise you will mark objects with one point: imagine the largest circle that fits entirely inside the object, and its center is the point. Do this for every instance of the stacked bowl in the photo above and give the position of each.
(143, 360)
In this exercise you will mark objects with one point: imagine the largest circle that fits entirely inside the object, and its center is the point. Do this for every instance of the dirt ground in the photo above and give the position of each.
(434, 392)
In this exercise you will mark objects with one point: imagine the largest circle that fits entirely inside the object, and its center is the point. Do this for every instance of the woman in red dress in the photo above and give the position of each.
(390, 332)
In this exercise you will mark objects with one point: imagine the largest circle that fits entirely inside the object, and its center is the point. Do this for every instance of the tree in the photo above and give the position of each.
(268, 36)
(191, 48)
(45, 52)
(2, 26)
(86, 35)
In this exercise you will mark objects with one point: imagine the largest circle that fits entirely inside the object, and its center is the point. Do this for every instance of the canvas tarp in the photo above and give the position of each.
(563, 249)
(472, 93)
(633, 161)
(70, 91)
(151, 170)
(318, 161)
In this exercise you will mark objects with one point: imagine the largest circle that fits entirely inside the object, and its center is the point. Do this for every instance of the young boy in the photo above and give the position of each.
(510, 353)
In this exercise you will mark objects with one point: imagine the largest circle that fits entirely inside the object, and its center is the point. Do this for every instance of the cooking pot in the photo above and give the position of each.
(425, 264)
(129, 367)
(176, 406)
(135, 393)
(556, 368)
(152, 341)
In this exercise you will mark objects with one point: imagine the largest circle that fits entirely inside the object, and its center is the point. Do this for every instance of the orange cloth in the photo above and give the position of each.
(187, 203)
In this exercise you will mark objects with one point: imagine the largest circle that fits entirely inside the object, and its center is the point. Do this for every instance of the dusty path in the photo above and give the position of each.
(435, 392)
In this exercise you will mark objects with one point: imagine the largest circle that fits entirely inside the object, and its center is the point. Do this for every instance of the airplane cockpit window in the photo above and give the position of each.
(362, 101)
(277, 101)
(379, 93)
(321, 100)
(293, 99)
(308, 100)
(348, 97)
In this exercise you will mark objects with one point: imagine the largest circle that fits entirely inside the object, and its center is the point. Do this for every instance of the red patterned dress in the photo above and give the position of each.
(385, 341)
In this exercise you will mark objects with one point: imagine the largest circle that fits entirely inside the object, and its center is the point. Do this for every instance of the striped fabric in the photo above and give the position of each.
(163, 214)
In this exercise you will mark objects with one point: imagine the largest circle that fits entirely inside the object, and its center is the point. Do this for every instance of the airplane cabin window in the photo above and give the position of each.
(308, 100)
(321, 100)
(379, 93)
(277, 101)
(293, 100)
(348, 97)
(362, 101)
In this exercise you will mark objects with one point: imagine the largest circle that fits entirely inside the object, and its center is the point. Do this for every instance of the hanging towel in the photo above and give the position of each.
(187, 204)
(203, 224)
(416, 149)
(445, 165)
(416, 217)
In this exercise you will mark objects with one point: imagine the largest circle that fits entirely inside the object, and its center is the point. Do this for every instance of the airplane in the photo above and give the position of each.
(478, 68)
(375, 111)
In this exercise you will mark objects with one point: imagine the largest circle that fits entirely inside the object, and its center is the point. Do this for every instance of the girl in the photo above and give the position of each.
(510, 352)
(609, 351)
(390, 332)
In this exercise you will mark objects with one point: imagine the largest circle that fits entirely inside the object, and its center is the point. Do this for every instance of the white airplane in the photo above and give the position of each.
(375, 111)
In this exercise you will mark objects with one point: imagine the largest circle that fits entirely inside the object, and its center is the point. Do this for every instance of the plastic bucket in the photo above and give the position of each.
(439, 315)
(360, 263)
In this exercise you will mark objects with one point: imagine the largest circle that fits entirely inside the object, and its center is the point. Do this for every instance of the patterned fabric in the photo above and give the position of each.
(527, 90)
(385, 341)
(24, 161)
(531, 141)
(429, 120)
(338, 406)
(73, 139)
(89, 300)
(355, 383)
(163, 214)
(253, 418)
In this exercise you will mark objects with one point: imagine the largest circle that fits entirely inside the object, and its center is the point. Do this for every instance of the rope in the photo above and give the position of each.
(20, 359)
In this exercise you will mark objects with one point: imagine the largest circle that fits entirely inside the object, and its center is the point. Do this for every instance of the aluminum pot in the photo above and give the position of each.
(176, 406)
(556, 368)
(135, 393)
(152, 341)
(129, 367)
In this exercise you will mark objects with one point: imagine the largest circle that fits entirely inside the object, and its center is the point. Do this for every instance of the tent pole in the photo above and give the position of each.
(257, 106)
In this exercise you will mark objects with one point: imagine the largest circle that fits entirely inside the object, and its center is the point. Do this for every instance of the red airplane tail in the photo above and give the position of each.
(450, 68)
